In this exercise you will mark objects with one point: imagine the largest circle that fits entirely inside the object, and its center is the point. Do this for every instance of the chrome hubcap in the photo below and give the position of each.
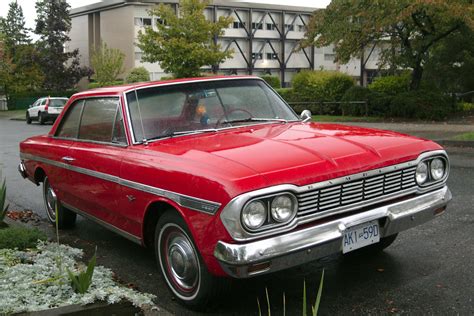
(182, 261)
(50, 201)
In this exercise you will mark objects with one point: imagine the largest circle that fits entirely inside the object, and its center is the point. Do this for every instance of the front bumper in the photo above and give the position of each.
(315, 242)
(22, 170)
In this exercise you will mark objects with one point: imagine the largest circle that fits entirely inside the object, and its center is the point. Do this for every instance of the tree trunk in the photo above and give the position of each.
(416, 76)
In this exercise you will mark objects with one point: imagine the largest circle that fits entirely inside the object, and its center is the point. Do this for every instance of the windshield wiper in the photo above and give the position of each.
(178, 133)
(255, 119)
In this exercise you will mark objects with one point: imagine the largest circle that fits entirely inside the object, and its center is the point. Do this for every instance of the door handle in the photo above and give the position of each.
(68, 159)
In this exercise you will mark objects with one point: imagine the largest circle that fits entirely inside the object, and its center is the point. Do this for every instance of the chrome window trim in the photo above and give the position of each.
(193, 203)
(132, 133)
(231, 218)
(76, 139)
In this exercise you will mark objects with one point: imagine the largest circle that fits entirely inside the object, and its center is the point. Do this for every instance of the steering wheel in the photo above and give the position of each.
(232, 111)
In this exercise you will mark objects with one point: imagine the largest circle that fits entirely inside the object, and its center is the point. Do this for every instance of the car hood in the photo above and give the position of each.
(296, 153)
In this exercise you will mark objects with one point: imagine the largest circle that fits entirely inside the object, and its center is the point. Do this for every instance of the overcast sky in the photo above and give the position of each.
(30, 14)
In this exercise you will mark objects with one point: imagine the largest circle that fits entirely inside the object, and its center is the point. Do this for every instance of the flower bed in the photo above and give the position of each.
(35, 280)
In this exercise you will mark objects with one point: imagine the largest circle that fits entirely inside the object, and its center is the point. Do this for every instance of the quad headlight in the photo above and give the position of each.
(437, 169)
(254, 214)
(266, 212)
(431, 170)
(421, 173)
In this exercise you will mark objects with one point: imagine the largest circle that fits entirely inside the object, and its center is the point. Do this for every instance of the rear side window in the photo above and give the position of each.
(70, 122)
(98, 119)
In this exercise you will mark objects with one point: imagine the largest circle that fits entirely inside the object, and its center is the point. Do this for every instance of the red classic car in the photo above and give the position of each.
(222, 179)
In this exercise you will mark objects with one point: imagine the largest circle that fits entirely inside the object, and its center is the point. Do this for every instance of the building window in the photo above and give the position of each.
(329, 57)
(257, 26)
(239, 25)
(289, 27)
(272, 56)
(143, 21)
(301, 28)
(271, 27)
(159, 21)
(257, 56)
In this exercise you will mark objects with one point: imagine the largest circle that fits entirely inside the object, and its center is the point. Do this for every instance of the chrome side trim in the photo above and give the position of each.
(111, 227)
(230, 215)
(325, 239)
(196, 204)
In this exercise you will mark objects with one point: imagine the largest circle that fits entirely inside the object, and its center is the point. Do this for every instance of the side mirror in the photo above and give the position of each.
(306, 115)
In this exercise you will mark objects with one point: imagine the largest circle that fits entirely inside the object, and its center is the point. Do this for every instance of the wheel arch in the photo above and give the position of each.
(39, 175)
(153, 213)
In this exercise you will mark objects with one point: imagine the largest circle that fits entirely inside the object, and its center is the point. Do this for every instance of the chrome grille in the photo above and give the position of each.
(333, 197)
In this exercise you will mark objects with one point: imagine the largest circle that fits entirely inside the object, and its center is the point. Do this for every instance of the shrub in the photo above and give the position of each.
(288, 94)
(20, 238)
(138, 74)
(321, 86)
(354, 94)
(465, 107)
(273, 81)
(19, 101)
(95, 85)
(421, 104)
(391, 85)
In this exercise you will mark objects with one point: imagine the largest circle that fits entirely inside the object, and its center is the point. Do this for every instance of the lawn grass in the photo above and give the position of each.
(339, 118)
(13, 113)
(465, 137)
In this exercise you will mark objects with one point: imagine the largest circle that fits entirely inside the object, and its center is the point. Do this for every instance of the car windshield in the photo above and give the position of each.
(57, 103)
(200, 107)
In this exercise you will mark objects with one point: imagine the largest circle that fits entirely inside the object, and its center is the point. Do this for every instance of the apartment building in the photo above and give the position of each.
(264, 37)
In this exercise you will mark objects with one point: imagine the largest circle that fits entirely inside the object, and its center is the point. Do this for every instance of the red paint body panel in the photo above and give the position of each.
(211, 166)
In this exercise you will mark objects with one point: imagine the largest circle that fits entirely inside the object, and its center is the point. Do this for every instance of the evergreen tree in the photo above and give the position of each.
(60, 68)
(13, 28)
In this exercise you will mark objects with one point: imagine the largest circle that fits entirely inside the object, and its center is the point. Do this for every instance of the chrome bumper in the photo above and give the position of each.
(308, 244)
(22, 170)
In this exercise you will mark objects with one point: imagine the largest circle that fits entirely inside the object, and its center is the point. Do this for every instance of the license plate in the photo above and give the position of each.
(360, 236)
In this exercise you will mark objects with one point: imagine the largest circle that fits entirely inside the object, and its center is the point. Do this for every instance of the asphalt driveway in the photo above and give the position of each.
(428, 270)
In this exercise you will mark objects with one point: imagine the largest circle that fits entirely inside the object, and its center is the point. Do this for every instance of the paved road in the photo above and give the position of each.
(428, 270)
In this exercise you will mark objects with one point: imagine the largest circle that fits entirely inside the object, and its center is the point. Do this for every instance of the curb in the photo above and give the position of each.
(456, 143)
(17, 119)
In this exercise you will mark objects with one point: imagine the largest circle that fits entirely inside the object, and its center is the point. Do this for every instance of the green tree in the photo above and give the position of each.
(61, 68)
(451, 66)
(13, 27)
(138, 74)
(6, 67)
(185, 42)
(107, 64)
(405, 31)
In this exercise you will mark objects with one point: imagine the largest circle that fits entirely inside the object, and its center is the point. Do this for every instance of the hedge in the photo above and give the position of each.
(391, 85)
(95, 85)
(421, 104)
(321, 86)
(138, 74)
(273, 81)
(20, 101)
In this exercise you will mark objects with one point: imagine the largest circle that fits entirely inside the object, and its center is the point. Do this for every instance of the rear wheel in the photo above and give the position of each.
(181, 265)
(28, 118)
(66, 218)
(41, 118)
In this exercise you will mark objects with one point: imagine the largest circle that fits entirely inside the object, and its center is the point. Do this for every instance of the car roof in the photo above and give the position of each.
(117, 90)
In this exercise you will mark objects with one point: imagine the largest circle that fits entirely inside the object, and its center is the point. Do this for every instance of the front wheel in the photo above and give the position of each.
(66, 218)
(181, 265)
(28, 118)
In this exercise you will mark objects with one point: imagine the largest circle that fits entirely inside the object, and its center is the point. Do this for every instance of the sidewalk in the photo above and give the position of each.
(443, 133)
